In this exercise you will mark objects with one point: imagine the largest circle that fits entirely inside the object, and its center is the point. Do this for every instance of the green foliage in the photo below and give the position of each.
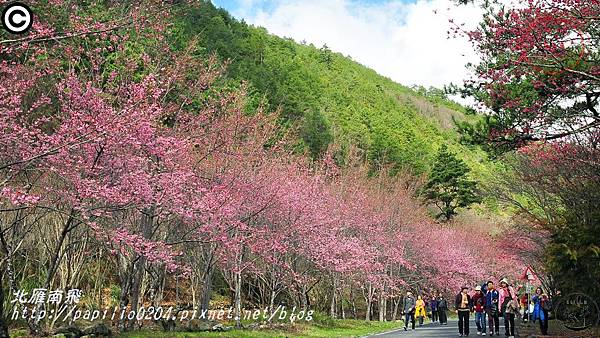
(316, 133)
(448, 185)
(476, 131)
(573, 255)
(115, 294)
(558, 193)
(323, 319)
(439, 97)
(327, 97)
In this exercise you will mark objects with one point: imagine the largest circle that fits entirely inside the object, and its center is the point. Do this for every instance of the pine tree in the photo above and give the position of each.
(448, 185)
(316, 133)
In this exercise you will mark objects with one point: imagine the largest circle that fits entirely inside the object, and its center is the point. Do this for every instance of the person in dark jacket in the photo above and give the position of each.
(433, 305)
(479, 305)
(540, 309)
(442, 307)
(492, 309)
(464, 306)
(408, 307)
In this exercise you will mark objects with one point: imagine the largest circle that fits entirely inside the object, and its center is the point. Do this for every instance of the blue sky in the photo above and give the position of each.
(269, 5)
(405, 40)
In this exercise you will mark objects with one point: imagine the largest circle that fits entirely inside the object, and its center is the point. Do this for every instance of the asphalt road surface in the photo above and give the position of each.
(435, 330)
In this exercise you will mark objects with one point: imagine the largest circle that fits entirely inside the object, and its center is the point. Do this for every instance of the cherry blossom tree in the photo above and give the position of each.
(539, 72)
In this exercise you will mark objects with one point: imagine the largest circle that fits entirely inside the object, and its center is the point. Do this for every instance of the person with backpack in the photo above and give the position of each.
(464, 306)
(492, 309)
(442, 307)
(408, 308)
(541, 307)
(506, 296)
(479, 305)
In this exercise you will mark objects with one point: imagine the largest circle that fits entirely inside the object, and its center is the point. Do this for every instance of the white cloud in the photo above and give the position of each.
(406, 42)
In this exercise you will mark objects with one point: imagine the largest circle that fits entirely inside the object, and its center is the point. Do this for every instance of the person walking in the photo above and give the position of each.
(433, 304)
(524, 302)
(512, 310)
(492, 308)
(463, 305)
(442, 307)
(540, 309)
(420, 310)
(479, 305)
(507, 295)
(408, 307)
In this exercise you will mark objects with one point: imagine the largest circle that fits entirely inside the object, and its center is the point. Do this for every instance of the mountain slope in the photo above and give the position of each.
(331, 97)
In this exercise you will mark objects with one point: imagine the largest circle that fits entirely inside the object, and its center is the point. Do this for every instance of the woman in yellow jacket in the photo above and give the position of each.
(420, 310)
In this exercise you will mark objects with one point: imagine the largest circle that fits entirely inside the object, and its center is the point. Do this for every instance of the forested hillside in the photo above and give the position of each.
(328, 97)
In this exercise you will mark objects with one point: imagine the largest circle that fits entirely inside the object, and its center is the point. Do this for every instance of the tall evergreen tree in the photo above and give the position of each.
(448, 185)
(316, 133)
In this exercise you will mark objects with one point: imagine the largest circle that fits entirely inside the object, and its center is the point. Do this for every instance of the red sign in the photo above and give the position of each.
(528, 274)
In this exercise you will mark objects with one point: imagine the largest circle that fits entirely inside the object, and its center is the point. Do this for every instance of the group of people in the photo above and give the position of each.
(487, 302)
(491, 302)
(417, 309)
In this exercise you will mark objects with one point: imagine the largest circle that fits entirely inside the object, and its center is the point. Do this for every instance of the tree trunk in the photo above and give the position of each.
(207, 278)
(332, 308)
(382, 305)
(9, 264)
(159, 287)
(3, 325)
(273, 294)
(126, 280)
(353, 303)
(304, 296)
(136, 281)
(238, 293)
(206, 287)
(4, 333)
(369, 300)
(396, 304)
(342, 306)
(139, 269)
(35, 327)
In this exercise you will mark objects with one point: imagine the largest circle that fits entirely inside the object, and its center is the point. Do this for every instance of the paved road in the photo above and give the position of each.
(431, 330)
